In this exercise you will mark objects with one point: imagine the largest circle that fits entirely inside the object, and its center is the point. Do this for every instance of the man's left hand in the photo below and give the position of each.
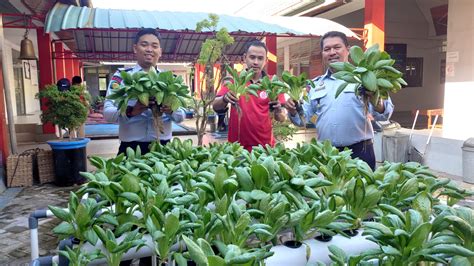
(276, 106)
(166, 109)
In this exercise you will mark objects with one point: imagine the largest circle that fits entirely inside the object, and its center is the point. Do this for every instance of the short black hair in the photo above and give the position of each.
(146, 31)
(331, 34)
(76, 80)
(255, 43)
(63, 84)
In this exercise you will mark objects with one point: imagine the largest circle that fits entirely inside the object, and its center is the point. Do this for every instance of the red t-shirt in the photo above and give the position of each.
(255, 123)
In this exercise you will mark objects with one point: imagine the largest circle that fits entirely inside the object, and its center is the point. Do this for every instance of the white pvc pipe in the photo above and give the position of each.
(319, 250)
(34, 243)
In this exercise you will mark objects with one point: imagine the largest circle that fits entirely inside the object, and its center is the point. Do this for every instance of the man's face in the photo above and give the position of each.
(255, 58)
(147, 50)
(334, 50)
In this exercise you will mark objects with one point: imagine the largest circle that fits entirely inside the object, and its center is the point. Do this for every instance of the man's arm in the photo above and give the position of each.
(111, 113)
(383, 111)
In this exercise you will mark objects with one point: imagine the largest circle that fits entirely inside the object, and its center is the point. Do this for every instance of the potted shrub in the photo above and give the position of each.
(68, 110)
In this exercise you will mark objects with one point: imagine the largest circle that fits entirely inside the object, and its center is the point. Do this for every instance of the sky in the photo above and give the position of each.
(242, 7)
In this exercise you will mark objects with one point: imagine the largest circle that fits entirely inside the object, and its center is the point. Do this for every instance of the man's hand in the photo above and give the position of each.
(137, 109)
(230, 97)
(275, 106)
(291, 107)
(166, 109)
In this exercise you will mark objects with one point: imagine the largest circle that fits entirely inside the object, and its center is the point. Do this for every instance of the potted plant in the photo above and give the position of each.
(68, 110)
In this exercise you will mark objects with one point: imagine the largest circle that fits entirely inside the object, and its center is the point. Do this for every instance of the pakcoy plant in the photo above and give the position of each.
(164, 88)
(238, 83)
(373, 69)
(407, 239)
(79, 217)
(297, 90)
(201, 252)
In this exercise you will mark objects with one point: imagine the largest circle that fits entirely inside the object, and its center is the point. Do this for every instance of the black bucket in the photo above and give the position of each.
(70, 158)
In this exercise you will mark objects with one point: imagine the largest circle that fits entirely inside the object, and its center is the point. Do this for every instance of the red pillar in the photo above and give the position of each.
(4, 145)
(76, 68)
(45, 69)
(69, 66)
(60, 64)
(374, 22)
(271, 42)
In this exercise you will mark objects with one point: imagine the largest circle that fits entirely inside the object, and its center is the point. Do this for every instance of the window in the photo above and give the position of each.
(102, 83)
(414, 72)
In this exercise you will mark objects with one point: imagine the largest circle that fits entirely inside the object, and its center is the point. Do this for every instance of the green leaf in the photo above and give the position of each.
(450, 249)
(195, 251)
(132, 197)
(64, 228)
(338, 66)
(381, 82)
(61, 213)
(216, 261)
(220, 176)
(244, 178)
(369, 80)
(341, 88)
(260, 175)
(356, 54)
(422, 203)
(144, 98)
(171, 225)
(389, 250)
(419, 236)
(258, 194)
(91, 236)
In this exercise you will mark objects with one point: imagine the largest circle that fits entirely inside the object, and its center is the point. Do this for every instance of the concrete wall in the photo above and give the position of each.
(13, 38)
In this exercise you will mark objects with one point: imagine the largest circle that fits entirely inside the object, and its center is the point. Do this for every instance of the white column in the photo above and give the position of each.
(459, 86)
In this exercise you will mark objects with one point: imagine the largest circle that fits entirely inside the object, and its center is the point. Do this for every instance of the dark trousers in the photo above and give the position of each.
(144, 146)
(363, 150)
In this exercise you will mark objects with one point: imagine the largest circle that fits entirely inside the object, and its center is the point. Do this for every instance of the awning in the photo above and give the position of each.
(97, 34)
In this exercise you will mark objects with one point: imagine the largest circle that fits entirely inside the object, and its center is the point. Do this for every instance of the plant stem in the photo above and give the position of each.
(157, 121)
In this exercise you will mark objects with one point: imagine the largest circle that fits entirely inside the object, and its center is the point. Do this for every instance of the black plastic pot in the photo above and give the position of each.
(292, 244)
(323, 238)
(70, 158)
(351, 232)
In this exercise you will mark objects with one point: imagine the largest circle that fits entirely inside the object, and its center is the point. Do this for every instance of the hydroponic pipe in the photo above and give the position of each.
(319, 250)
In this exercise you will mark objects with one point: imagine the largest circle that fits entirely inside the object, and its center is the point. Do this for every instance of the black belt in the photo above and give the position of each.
(364, 142)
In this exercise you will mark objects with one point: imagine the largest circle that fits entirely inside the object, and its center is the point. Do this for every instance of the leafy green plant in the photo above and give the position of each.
(297, 90)
(164, 88)
(67, 109)
(117, 247)
(360, 199)
(77, 257)
(372, 69)
(237, 83)
(405, 238)
(79, 217)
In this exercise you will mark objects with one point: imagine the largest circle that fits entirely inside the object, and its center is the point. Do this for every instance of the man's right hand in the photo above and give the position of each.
(230, 97)
(291, 107)
(137, 109)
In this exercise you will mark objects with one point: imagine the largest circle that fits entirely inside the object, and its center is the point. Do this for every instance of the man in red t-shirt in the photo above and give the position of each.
(255, 123)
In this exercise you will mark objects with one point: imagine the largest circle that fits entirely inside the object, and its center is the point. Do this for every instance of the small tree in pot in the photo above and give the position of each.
(68, 109)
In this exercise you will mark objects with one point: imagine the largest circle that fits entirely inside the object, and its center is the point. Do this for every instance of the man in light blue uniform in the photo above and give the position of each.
(342, 120)
(136, 127)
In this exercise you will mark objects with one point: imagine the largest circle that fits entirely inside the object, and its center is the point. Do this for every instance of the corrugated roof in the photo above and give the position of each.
(64, 17)
(107, 34)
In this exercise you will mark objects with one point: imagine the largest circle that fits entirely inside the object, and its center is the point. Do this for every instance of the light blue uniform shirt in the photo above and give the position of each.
(341, 120)
(139, 127)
